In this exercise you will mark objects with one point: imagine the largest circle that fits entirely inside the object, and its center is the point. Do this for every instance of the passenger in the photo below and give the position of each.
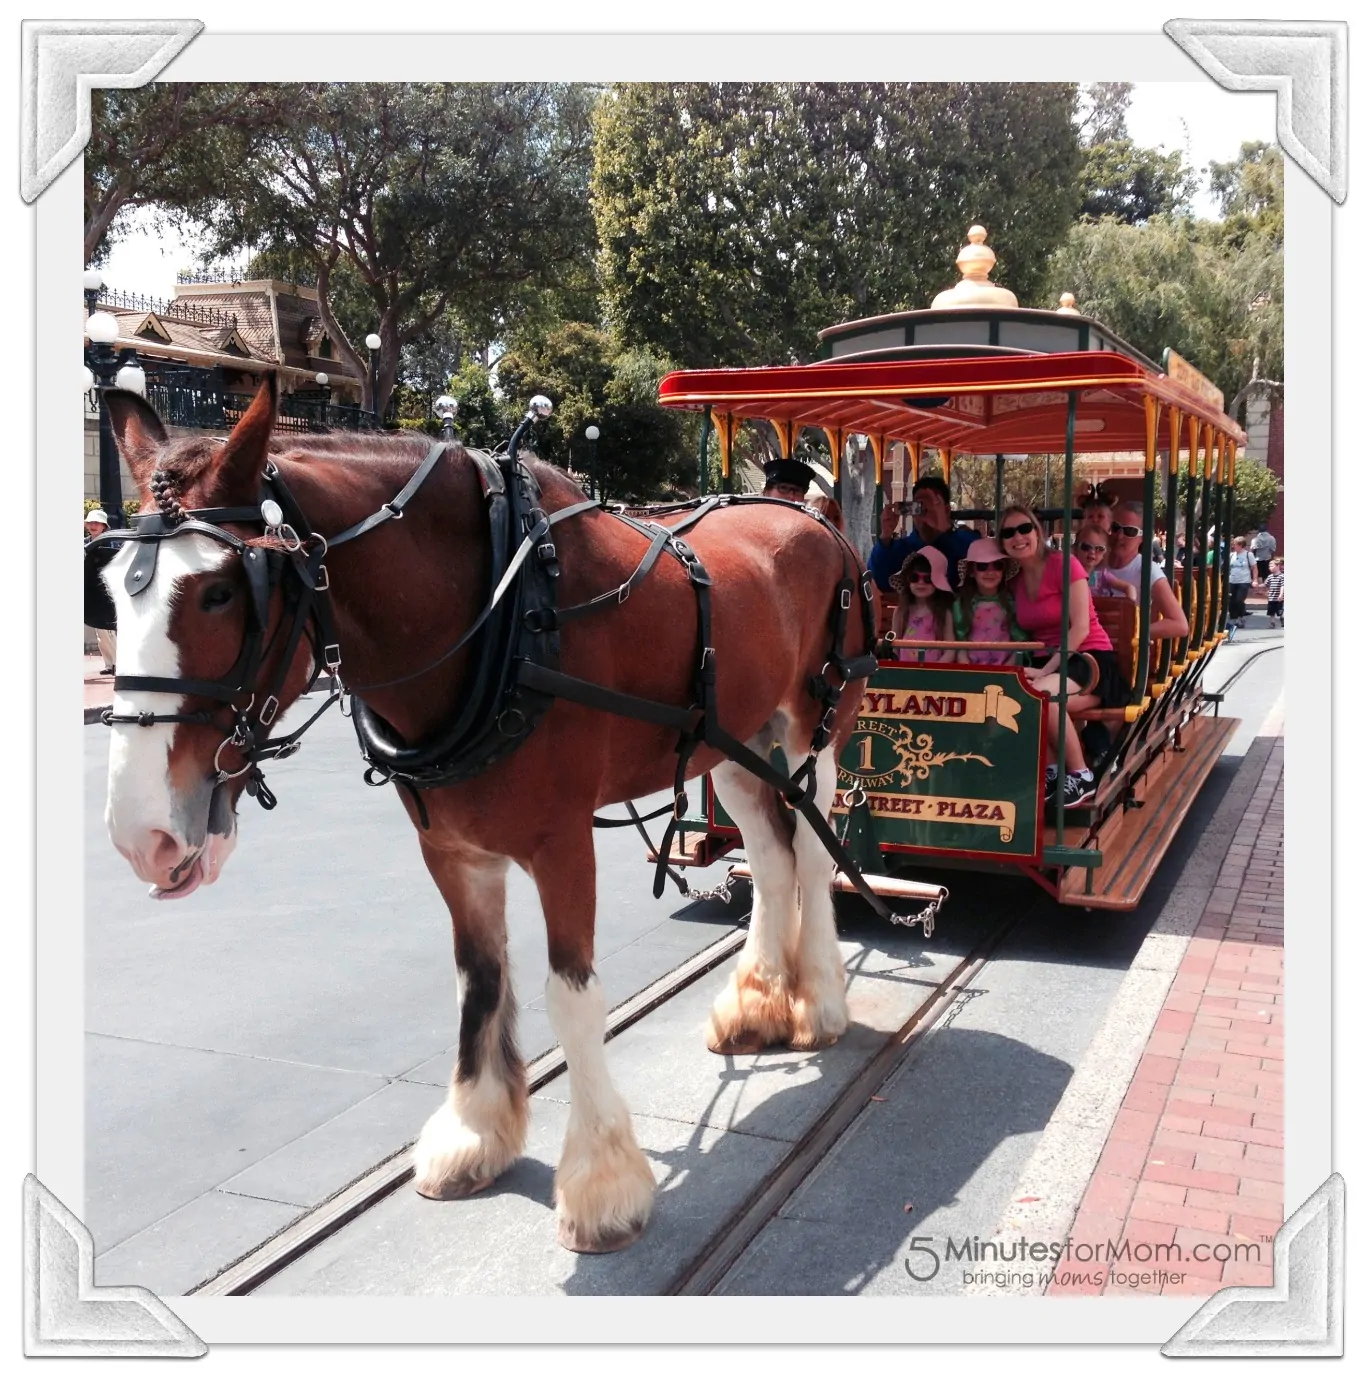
(931, 525)
(1241, 574)
(1274, 592)
(1038, 601)
(1125, 565)
(1091, 545)
(983, 610)
(1096, 508)
(925, 601)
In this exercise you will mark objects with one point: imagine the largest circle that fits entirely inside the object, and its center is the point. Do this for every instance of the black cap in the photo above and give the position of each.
(787, 471)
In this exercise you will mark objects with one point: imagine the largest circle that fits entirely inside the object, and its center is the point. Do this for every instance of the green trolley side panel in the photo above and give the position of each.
(950, 759)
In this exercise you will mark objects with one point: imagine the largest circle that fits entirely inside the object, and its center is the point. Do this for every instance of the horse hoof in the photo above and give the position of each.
(452, 1190)
(734, 1044)
(582, 1242)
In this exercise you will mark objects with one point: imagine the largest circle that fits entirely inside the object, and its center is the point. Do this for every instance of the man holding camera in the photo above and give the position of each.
(930, 508)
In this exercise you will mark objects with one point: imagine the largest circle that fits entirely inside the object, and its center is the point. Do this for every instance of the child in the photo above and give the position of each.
(925, 599)
(1091, 548)
(1096, 508)
(983, 609)
(1274, 592)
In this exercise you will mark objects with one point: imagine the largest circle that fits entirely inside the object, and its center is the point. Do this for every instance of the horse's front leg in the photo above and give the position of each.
(479, 1130)
(604, 1184)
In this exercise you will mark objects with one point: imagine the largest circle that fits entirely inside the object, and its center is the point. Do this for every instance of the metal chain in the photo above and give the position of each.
(723, 891)
(927, 916)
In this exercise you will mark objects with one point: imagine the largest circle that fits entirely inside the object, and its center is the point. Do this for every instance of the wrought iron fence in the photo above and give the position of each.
(174, 310)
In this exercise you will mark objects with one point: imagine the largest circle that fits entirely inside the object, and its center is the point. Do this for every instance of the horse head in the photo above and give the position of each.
(171, 807)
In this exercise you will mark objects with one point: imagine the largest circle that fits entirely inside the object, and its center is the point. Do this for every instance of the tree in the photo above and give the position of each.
(1250, 194)
(173, 145)
(1256, 495)
(1169, 284)
(1128, 183)
(465, 198)
(735, 220)
(1103, 111)
(642, 449)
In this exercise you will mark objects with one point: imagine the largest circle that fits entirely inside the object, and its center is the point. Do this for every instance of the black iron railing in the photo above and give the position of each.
(174, 310)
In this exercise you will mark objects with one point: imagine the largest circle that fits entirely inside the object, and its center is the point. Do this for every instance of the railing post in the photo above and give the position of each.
(1141, 674)
(1172, 504)
(1062, 717)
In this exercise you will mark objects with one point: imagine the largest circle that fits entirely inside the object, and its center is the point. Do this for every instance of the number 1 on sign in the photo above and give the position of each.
(867, 762)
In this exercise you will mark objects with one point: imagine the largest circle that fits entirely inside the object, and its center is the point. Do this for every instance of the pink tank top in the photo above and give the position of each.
(990, 622)
(925, 625)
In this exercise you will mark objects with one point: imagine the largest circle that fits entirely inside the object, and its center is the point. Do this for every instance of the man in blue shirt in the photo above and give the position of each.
(931, 524)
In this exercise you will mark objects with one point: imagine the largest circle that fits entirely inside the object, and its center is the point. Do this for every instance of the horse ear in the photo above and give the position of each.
(138, 431)
(244, 454)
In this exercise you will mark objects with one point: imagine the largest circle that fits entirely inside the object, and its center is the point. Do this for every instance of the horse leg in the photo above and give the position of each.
(755, 1008)
(820, 992)
(604, 1184)
(479, 1130)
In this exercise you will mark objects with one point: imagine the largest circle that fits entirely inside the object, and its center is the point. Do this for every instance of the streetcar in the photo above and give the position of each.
(947, 762)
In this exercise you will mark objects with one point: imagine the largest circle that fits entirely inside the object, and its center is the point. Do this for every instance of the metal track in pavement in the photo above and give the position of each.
(346, 1206)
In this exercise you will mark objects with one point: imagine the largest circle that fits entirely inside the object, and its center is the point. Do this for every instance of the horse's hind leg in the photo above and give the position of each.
(479, 1130)
(820, 999)
(604, 1184)
(755, 1009)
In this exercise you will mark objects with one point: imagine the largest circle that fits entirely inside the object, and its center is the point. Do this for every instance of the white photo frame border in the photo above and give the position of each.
(60, 1143)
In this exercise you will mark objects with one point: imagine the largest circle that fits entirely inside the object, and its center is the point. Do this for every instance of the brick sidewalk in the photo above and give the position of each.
(99, 687)
(1195, 1158)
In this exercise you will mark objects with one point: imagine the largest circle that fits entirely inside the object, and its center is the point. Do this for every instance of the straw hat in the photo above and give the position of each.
(936, 561)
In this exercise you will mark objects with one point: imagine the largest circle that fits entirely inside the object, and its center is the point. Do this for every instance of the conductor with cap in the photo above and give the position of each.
(787, 478)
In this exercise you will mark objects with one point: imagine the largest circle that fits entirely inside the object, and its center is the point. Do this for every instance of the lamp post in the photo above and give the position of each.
(321, 379)
(592, 437)
(445, 407)
(373, 346)
(102, 331)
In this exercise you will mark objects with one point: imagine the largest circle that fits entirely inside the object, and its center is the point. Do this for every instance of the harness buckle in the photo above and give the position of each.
(547, 552)
(845, 599)
(396, 511)
(270, 707)
(623, 593)
(332, 658)
(322, 585)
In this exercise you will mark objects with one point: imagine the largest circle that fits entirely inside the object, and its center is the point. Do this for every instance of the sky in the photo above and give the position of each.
(1202, 119)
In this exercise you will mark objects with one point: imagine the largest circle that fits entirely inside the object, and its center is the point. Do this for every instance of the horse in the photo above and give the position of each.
(398, 595)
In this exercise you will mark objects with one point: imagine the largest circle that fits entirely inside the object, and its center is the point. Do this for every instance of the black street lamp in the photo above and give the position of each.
(592, 437)
(373, 346)
(102, 331)
(321, 379)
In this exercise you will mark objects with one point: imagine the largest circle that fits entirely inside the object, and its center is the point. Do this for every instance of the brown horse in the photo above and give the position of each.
(400, 595)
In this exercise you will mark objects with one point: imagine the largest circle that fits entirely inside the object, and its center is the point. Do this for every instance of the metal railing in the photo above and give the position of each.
(174, 310)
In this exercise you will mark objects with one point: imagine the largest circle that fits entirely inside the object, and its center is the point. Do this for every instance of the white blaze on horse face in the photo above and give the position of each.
(143, 810)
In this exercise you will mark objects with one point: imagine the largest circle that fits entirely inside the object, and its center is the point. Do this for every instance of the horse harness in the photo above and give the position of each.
(515, 675)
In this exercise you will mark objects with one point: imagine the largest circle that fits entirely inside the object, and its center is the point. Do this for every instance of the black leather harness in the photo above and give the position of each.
(515, 672)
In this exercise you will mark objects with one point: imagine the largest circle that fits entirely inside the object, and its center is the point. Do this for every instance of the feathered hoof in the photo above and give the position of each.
(751, 1014)
(451, 1160)
(819, 1021)
(605, 1191)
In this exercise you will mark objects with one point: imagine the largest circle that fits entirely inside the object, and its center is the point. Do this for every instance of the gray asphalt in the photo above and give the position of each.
(241, 1072)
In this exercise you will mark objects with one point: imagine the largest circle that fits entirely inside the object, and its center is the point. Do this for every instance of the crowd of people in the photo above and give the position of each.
(991, 591)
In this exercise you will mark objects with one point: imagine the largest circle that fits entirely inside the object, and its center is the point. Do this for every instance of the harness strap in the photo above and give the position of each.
(617, 595)
(394, 509)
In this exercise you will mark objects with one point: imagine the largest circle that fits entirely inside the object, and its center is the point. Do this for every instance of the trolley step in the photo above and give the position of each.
(1134, 849)
(895, 886)
(701, 849)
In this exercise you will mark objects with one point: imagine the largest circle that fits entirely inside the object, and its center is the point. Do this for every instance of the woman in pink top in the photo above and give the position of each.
(1038, 602)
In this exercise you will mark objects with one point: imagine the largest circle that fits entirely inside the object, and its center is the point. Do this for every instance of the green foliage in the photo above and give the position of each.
(735, 220)
(1103, 111)
(1128, 183)
(643, 450)
(415, 200)
(1250, 193)
(1257, 493)
(173, 145)
(1165, 284)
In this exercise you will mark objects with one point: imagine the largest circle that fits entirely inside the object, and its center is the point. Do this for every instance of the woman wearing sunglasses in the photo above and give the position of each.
(1038, 601)
(1125, 565)
(983, 612)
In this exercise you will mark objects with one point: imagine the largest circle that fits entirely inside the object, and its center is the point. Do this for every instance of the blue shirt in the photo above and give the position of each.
(887, 558)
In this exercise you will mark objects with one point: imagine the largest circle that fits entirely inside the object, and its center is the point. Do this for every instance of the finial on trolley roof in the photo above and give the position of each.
(1068, 305)
(975, 290)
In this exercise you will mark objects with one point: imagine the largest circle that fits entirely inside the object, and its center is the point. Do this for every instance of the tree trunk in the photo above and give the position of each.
(858, 495)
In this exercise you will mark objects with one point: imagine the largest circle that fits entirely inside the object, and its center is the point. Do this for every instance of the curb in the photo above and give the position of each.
(1053, 1182)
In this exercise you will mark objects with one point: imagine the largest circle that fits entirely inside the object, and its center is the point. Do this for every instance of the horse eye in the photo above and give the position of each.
(217, 596)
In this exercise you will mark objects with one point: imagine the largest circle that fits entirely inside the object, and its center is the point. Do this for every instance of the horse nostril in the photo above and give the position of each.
(164, 852)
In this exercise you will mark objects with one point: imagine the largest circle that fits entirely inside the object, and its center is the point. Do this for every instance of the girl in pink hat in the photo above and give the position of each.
(983, 610)
(925, 600)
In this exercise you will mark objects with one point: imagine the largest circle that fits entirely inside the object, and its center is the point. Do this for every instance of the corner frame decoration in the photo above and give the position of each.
(1304, 64)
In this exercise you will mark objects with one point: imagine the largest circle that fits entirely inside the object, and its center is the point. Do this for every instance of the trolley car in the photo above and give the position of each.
(947, 762)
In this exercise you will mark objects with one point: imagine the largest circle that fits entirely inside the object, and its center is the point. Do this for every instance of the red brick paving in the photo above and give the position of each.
(99, 687)
(1192, 1173)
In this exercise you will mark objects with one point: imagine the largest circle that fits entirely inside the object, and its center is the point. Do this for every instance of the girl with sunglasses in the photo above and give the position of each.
(983, 610)
(1091, 547)
(1038, 601)
(925, 599)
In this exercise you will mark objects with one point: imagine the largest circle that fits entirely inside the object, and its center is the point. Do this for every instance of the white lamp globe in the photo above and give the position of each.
(445, 406)
(321, 378)
(373, 342)
(102, 328)
(92, 281)
(88, 378)
(131, 377)
(592, 433)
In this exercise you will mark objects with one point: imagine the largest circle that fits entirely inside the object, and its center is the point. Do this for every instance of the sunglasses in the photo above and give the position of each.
(1010, 529)
(920, 577)
(1131, 530)
(1092, 547)
(996, 566)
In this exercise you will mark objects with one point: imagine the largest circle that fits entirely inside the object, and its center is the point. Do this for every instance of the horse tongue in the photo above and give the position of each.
(189, 885)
